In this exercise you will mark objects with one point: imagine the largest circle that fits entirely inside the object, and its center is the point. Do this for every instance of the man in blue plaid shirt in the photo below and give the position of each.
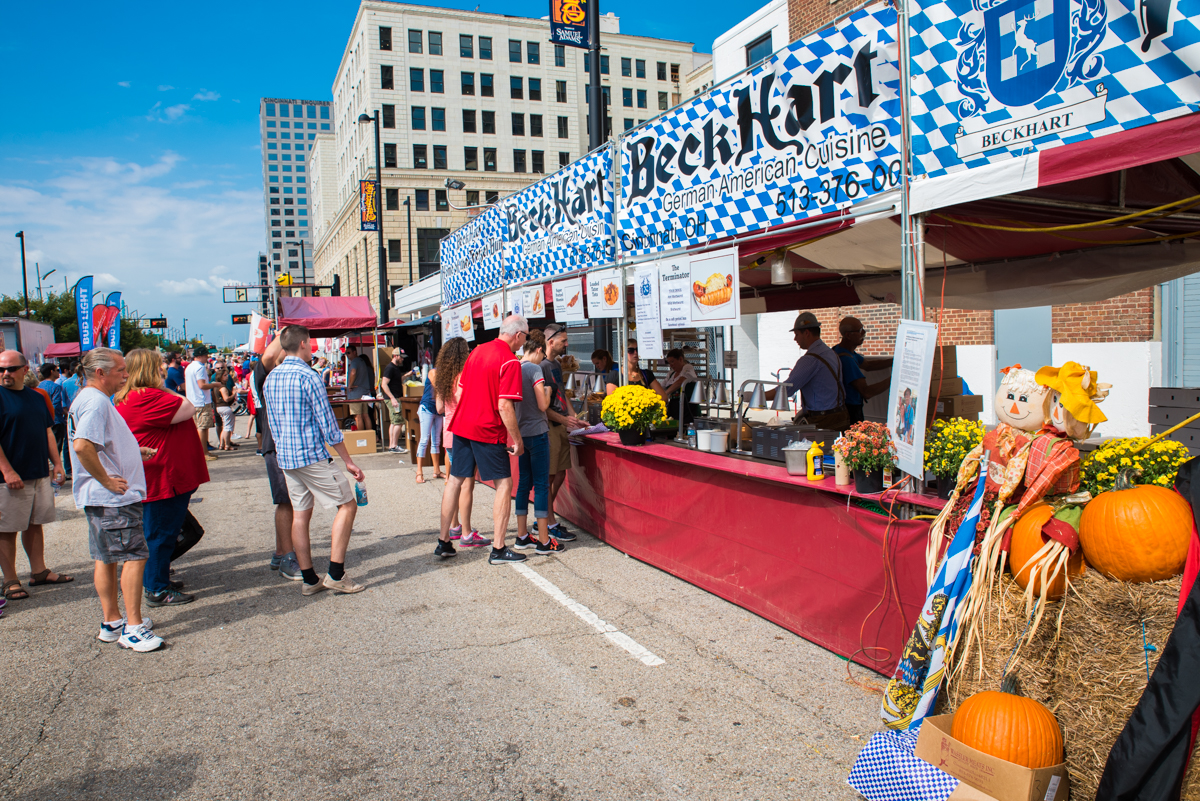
(301, 423)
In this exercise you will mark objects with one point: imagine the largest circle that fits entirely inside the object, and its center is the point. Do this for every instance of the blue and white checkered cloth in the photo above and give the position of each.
(299, 414)
(887, 770)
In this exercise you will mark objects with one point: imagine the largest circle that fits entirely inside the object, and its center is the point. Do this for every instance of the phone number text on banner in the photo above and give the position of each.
(812, 130)
(561, 223)
(472, 258)
(993, 79)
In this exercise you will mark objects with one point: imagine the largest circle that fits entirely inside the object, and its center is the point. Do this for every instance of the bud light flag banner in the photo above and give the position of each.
(113, 302)
(83, 312)
(472, 258)
(998, 78)
(563, 222)
(568, 23)
(368, 206)
(812, 130)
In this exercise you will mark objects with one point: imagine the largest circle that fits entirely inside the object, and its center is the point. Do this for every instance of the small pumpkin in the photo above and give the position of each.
(1027, 541)
(1136, 532)
(1009, 726)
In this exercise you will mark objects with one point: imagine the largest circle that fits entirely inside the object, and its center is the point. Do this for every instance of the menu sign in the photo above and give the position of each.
(569, 300)
(645, 303)
(675, 291)
(606, 293)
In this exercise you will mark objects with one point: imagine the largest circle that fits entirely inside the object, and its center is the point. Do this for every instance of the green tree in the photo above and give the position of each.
(58, 309)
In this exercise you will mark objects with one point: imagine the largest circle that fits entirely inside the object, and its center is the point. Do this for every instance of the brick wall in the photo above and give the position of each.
(806, 16)
(1126, 318)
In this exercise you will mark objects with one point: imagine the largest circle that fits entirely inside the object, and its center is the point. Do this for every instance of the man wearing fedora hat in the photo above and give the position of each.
(817, 376)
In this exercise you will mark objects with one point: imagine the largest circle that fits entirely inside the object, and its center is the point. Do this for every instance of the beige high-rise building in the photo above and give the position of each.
(482, 99)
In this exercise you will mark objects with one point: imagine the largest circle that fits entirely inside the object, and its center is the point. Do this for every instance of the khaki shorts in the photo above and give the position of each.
(321, 481)
(32, 505)
(358, 408)
(560, 450)
(204, 416)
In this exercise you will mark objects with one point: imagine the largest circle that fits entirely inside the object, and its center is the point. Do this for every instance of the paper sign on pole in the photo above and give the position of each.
(568, 300)
(466, 323)
(535, 301)
(606, 293)
(645, 303)
(492, 305)
(909, 396)
(675, 291)
(713, 292)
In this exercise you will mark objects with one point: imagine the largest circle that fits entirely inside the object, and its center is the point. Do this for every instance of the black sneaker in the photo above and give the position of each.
(551, 546)
(444, 550)
(505, 555)
(526, 543)
(168, 598)
(560, 533)
(175, 585)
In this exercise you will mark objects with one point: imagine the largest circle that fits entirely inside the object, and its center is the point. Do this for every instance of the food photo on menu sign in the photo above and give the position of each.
(715, 297)
(605, 293)
(491, 311)
(568, 300)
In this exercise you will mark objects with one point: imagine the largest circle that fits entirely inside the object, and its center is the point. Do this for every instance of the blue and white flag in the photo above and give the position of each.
(914, 687)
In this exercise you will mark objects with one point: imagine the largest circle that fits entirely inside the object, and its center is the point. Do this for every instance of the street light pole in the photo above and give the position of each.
(408, 208)
(303, 273)
(24, 273)
(383, 299)
(185, 329)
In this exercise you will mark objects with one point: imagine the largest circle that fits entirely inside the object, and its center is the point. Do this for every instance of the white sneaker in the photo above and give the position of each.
(140, 638)
(113, 633)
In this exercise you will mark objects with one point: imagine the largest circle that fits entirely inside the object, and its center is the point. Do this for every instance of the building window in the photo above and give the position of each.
(428, 248)
(514, 51)
(486, 87)
(416, 79)
(539, 161)
(468, 83)
(674, 73)
(516, 88)
(441, 201)
(606, 91)
(435, 43)
(628, 123)
(489, 122)
(563, 158)
(533, 53)
(437, 82)
(662, 101)
(535, 124)
(759, 49)
(269, 109)
(439, 158)
(395, 253)
(325, 113)
(310, 112)
(439, 118)
(489, 160)
(662, 70)
(385, 77)
(627, 97)
(389, 115)
(420, 157)
(414, 41)
(563, 127)
(385, 38)
(518, 161)
(472, 197)
(627, 67)
(560, 91)
(641, 98)
(535, 88)
(603, 65)
(422, 200)
(466, 45)
(485, 48)
(389, 155)
(468, 120)
(560, 55)
(640, 68)
(418, 118)
(392, 197)
(471, 158)
(493, 196)
(518, 124)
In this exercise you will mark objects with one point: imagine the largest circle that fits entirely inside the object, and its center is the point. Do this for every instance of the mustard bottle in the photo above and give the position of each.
(816, 466)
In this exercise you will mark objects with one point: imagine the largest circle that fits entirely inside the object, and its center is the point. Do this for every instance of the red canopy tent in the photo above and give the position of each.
(328, 317)
(61, 350)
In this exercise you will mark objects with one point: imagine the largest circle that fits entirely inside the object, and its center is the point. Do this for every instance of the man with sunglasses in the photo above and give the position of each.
(858, 391)
(27, 449)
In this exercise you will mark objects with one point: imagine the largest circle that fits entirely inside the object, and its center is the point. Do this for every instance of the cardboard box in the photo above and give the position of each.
(973, 416)
(945, 386)
(945, 360)
(357, 442)
(1001, 780)
(959, 405)
(413, 392)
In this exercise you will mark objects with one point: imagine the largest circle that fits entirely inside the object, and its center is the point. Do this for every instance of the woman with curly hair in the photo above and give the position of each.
(446, 393)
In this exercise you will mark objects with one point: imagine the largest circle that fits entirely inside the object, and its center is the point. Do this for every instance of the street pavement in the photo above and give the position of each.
(443, 680)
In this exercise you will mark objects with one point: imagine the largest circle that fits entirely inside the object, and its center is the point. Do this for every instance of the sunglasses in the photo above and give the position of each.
(631, 350)
(16, 369)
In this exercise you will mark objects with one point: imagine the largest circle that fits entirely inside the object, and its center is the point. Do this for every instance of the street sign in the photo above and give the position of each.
(241, 319)
(144, 323)
(158, 322)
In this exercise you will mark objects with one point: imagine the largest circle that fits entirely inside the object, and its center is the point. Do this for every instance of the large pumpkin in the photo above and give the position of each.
(1027, 540)
(1010, 727)
(1136, 533)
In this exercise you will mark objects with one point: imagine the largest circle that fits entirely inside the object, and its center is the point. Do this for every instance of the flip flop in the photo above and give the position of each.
(13, 591)
(36, 579)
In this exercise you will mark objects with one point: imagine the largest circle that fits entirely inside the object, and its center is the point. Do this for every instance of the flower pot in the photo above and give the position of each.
(868, 483)
(632, 437)
(945, 487)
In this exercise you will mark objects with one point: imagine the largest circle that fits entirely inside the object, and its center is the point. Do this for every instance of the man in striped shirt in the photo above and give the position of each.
(302, 422)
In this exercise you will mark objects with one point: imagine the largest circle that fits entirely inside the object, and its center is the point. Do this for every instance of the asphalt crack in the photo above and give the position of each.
(41, 734)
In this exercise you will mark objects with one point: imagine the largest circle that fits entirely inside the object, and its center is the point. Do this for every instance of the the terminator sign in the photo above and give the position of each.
(812, 130)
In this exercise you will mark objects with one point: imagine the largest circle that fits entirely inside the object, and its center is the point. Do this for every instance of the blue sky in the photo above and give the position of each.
(129, 148)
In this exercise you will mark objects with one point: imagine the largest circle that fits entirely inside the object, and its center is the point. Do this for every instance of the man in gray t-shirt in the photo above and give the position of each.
(535, 459)
(360, 379)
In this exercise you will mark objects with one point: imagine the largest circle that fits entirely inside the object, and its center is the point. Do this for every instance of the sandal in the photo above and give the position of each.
(13, 591)
(420, 478)
(36, 579)
(439, 475)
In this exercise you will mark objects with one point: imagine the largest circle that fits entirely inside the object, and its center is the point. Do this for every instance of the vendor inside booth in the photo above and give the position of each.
(681, 379)
(855, 365)
(643, 376)
(602, 360)
(818, 377)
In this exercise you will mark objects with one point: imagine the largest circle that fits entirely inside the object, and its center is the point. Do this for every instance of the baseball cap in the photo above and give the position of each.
(806, 320)
(200, 351)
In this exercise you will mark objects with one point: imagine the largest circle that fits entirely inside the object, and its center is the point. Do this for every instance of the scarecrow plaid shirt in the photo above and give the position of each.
(299, 414)
(1052, 469)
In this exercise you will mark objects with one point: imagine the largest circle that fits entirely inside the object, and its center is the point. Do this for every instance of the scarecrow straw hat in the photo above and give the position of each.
(1079, 392)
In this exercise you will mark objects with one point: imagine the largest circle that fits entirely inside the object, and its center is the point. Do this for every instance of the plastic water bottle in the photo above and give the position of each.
(360, 493)
(691, 435)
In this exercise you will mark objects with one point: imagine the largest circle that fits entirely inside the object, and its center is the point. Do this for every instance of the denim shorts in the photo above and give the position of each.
(115, 533)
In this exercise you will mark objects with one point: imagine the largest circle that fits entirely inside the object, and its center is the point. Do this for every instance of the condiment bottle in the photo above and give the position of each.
(816, 469)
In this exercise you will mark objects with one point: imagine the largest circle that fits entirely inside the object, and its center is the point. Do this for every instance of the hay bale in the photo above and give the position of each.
(1091, 674)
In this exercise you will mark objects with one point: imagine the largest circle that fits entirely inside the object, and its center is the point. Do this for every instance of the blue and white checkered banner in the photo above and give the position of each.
(814, 129)
(994, 79)
(472, 258)
(562, 223)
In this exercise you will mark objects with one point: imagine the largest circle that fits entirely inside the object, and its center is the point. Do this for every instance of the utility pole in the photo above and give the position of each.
(383, 298)
(24, 273)
(602, 329)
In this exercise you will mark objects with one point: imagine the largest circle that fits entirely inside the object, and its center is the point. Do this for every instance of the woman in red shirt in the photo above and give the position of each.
(162, 421)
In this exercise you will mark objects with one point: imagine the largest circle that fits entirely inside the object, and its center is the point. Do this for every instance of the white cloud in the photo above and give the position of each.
(206, 95)
(164, 87)
(106, 281)
(188, 286)
(126, 84)
(169, 114)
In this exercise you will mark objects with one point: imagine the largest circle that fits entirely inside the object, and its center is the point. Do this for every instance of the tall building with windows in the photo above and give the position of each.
(289, 129)
(482, 99)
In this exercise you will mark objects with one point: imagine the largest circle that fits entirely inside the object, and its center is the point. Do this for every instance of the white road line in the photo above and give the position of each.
(610, 631)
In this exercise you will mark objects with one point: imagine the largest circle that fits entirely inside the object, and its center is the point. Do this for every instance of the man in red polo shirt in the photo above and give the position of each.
(486, 433)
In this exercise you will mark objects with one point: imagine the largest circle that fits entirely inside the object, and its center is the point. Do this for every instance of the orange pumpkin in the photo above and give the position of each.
(1027, 540)
(1136, 533)
(1010, 727)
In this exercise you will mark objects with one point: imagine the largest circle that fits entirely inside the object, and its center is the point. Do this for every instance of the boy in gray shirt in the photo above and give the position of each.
(535, 459)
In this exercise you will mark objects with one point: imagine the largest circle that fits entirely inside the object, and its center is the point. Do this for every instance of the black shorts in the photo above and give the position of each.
(491, 458)
(279, 490)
